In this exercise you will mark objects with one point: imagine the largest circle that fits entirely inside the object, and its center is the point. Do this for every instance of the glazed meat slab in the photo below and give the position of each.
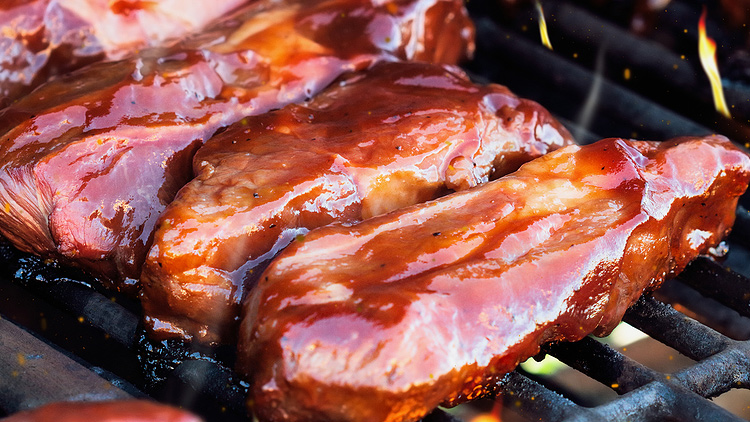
(114, 411)
(386, 319)
(43, 38)
(395, 135)
(89, 161)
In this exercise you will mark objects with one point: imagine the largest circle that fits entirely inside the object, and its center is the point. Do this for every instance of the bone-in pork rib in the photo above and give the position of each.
(386, 319)
(43, 38)
(104, 411)
(89, 161)
(396, 135)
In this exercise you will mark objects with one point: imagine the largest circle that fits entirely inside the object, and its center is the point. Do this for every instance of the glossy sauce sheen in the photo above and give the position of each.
(395, 135)
(386, 319)
(89, 161)
(119, 411)
(43, 38)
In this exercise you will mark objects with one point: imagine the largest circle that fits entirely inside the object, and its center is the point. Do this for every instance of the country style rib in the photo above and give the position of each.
(89, 161)
(395, 135)
(104, 411)
(43, 38)
(386, 319)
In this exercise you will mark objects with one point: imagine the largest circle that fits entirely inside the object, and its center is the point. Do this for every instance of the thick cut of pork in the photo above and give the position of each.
(395, 135)
(89, 161)
(106, 411)
(386, 319)
(43, 38)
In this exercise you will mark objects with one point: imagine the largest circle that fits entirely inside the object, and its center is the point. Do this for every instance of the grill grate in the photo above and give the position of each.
(100, 330)
(645, 394)
(567, 83)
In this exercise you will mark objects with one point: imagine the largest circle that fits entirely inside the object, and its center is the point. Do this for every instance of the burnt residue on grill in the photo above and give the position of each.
(89, 316)
(101, 330)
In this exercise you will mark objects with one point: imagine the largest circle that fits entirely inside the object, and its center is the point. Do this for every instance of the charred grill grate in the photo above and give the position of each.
(99, 331)
(645, 394)
(584, 82)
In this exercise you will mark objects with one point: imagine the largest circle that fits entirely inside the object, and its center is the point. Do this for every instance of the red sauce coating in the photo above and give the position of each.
(395, 135)
(43, 38)
(119, 411)
(89, 161)
(385, 319)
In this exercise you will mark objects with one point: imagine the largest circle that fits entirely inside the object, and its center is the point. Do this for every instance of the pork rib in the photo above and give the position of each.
(43, 38)
(393, 136)
(386, 319)
(104, 411)
(89, 161)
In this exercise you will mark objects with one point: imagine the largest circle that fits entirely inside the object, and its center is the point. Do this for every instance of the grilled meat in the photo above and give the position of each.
(89, 161)
(386, 319)
(396, 135)
(42, 38)
(116, 411)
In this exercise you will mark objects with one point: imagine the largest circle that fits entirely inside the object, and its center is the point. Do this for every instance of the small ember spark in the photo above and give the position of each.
(707, 52)
(543, 26)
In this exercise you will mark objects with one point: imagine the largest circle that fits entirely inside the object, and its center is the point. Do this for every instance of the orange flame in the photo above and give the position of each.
(543, 26)
(485, 417)
(491, 416)
(707, 52)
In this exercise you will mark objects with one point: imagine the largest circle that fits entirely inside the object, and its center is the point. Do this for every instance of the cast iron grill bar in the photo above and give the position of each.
(75, 294)
(98, 310)
(655, 401)
(658, 401)
(33, 373)
(685, 77)
(726, 366)
(719, 373)
(604, 364)
(720, 283)
(676, 330)
(646, 394)
(578, 26)
(723, 363)
(561, 81)
(532, 398)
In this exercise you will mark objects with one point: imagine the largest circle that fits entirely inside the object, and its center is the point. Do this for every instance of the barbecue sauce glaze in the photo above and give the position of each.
(395, 135)
(43, 38)
(115, 411)
(385, 319)
(88, 161)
